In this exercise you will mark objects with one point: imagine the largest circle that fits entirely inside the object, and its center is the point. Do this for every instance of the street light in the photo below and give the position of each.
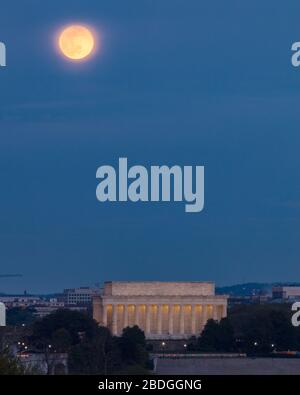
(163, 344)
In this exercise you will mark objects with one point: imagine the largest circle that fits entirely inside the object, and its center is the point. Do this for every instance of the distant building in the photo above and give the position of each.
(43, 311)
(245, 300)
(20, 300)
(80, 296)
(76, 299)
(286, 293)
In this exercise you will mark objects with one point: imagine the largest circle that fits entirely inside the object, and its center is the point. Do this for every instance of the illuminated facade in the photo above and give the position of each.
(163, 310)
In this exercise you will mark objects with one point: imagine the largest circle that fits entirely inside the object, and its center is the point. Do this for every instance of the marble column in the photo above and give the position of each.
(215, 312)
(159, 319)
(224, 311)
(181, 319)
(104, 315)
(204, 316)
(136, 314)
(193, 319)
(171, 322)
(125, 322)
(97, 309)
(114, 319)
(148, 319)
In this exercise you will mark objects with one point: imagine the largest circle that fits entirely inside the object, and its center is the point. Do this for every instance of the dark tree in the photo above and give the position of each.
(209, 339)
(61, 340)
(133, 346)
(226, 340)
(216, 337)
(100, 355)
(76, 324)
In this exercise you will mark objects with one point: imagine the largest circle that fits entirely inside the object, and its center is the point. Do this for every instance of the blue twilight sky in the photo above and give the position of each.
(184, 82)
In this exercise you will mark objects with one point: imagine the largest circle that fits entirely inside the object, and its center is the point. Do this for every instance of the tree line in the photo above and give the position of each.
(251, 329)
(91, 349)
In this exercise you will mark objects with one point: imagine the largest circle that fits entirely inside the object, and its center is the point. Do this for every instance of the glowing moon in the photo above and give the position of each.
(76, 42)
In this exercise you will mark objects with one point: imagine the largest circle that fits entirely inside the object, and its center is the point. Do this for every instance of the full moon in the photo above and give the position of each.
(76, 42)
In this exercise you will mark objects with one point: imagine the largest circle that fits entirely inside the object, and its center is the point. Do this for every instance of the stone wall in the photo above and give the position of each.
(158, 288)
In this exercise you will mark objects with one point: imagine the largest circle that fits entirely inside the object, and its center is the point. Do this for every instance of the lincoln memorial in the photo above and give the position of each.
(163, 310)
